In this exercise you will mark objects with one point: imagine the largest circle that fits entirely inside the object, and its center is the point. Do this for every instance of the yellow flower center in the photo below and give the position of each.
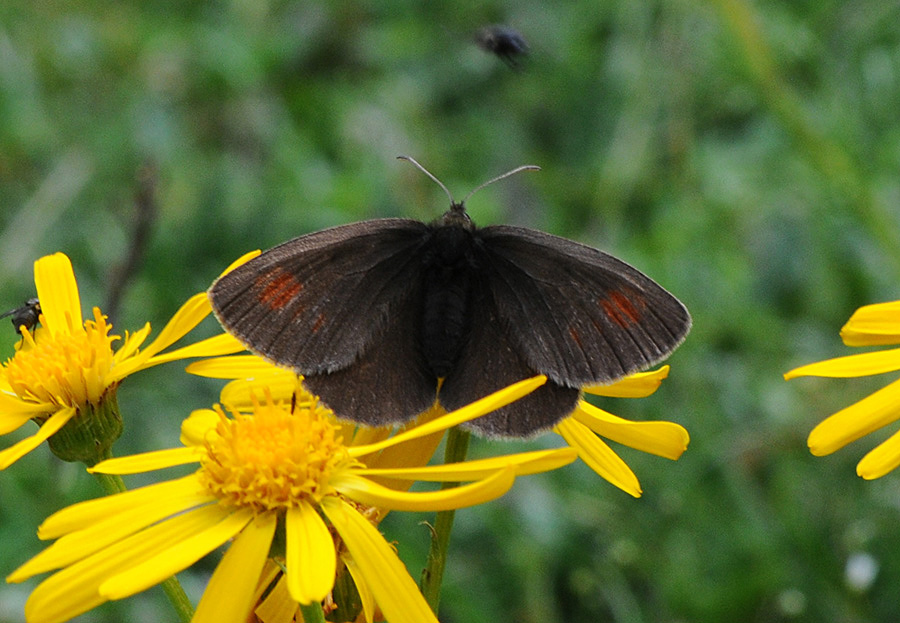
(273, 458)
(65, 370)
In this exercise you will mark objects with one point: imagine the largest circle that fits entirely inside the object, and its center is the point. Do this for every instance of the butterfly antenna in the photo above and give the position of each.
(524, 167)
(428, 173)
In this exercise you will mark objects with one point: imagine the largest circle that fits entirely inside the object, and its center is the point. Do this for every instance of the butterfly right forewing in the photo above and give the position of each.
(574, 313)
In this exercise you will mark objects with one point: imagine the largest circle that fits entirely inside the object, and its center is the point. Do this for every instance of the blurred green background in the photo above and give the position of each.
(745, 155)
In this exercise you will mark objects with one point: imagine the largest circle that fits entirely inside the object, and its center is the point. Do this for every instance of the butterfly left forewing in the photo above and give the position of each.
(315, 303)
(575, 313)
(339, 306)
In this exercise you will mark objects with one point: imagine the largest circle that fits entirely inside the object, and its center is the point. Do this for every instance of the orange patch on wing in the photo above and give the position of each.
(277, 288)
(626, 306)
(319, 322)
(621, 310)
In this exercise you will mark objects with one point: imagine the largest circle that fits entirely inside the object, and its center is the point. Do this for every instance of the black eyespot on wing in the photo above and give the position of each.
(315, 303)
(576, 314)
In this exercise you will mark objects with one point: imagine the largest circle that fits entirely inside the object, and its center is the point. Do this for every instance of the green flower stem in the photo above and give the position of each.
(312, 613)
(112, 484)
(433, 574)
(179, 599)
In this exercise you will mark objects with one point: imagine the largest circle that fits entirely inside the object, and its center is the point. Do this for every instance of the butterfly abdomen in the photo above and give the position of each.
(449, 274)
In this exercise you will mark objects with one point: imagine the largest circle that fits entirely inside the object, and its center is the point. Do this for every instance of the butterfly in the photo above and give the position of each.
(384, 317)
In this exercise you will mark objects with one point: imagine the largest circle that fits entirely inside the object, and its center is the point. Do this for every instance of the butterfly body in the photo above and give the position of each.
(449, 278)
(378, 315)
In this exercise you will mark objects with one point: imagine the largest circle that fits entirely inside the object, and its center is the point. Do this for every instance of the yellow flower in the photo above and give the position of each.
(580, 431)
(872, 325)
(64, 376)
(265, 467)
(251, 376)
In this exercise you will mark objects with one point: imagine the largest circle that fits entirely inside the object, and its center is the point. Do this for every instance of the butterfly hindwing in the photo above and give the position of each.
(389, 383)
(316, 303)
(574, 313)
(490, 362)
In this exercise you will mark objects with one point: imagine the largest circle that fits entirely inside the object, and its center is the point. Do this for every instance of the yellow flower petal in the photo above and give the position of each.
(74, 590)
(57, 291)
(278, 606)
(524, 463)
(599, 456)
(175, 557)
(310, 557)
(198, 424)
(83, 514)
(857, 420)
(236, 367)
(132, 342)
(229, 595)
(414, 452)
(188, 316)
(373, 494)
(253, 375)
(12, 405)
(368, 435)
(270, 572)
(222, 344)
(246, 257)
(12, 421)
(471, 411)
(82, 543)
(149, 461)
(18, 450)
(863, 364)
(638, 385)
(390, 582)
(365, 595)
(882, 459)
(873, 325)
(241, 393)
(665, 439)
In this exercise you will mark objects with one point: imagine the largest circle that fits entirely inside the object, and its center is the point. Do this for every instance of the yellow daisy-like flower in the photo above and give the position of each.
(872, 325)
(64, 376)
(250, 376)
(581, 430)
(259, 469)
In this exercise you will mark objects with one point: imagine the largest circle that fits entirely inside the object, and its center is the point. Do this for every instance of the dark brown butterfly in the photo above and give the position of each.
(25, 316)
(385, 316)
